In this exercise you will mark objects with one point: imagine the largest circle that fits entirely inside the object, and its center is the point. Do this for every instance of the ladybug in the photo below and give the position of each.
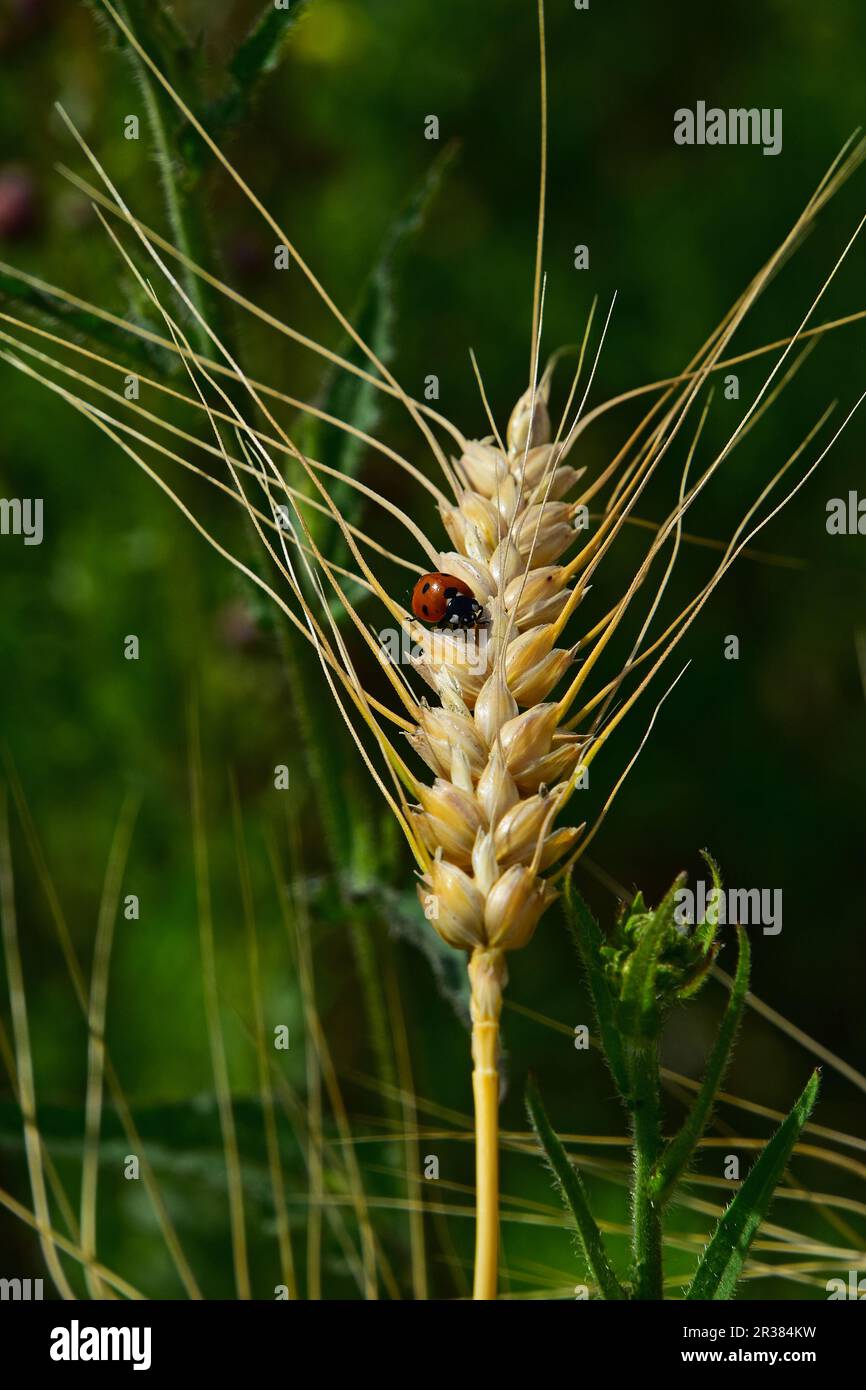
(445, 601)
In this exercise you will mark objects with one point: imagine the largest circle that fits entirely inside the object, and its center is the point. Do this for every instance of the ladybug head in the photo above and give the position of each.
(461, 611)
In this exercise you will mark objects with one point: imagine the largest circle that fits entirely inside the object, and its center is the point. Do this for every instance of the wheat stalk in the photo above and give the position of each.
(502, 772)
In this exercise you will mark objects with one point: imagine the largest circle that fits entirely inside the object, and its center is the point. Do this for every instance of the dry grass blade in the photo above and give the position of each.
(219, 1064)
(97, 1005)
(58, 1191)
(48, 1241)
(411, 1150)
(791, 1030)
(76, 976)
(59, 1242)
(284, 1239)
(318, 1045)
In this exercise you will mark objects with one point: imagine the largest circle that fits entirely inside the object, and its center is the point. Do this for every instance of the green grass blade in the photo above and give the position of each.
(574, 1195)
(721, 1264)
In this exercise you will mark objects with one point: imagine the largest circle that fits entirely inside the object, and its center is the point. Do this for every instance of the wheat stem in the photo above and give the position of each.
(487, 975)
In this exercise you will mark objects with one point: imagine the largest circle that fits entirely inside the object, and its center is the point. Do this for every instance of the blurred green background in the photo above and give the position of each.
(760, 759)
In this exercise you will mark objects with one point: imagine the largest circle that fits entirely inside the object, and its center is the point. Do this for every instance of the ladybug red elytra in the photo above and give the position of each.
(445, 601)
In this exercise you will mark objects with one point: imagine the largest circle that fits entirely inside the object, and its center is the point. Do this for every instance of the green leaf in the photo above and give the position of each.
(574, 1196)
(699, 975)
(262, 50)
(639, 1015)
(259, 55)
(723, 1259)
(589, 940)
(705, 931)
(679, 1151)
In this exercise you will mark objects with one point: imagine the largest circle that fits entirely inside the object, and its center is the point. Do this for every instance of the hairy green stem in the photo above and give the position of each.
(189, 230)
(646, 1210)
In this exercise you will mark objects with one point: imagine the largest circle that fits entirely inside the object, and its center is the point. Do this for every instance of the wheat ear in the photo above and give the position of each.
(501, 775)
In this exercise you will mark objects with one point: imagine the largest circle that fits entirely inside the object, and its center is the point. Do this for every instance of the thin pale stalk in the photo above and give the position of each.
(96, 1030)
(68, 1247)
(485, 1091)
(76, 976)
(488, 975)
(57, 1190)
(219, 1064)
(327, 1073)
(24, 1058)
(272, 1143)
(403, 1059)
